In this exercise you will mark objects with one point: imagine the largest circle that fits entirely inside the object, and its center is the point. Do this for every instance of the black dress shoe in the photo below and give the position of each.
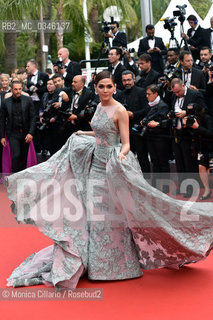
(206, 197)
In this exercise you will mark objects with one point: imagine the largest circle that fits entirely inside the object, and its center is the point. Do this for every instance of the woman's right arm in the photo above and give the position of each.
(86, 133)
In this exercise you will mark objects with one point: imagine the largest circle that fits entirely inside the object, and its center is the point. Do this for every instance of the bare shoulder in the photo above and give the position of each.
(121, 110)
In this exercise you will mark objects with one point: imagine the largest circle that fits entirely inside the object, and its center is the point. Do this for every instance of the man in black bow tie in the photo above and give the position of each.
(18, 120)
(70, 69)
(153, 46)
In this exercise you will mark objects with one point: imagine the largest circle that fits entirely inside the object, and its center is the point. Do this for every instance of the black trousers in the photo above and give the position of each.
(159, 150)
(139, 147)
(19, 149)
(186, 161)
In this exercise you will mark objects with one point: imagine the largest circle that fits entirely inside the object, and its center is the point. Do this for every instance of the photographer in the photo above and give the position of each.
(202, 125)
(192, 77)
(185, 158)
(37, 86)
(157, 136)
(194, 36)
(135, 102)
(67, 67)
(119, 38)
(205, 63)
(50, 130)
(78, 118)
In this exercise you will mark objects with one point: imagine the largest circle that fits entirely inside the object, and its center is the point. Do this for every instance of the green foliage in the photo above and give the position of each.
(25, 52)
(201, 7)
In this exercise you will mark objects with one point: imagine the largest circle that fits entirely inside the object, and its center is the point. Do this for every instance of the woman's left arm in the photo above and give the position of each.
(123, 126)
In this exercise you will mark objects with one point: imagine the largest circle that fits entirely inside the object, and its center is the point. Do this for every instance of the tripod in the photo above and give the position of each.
(184, 40)
(173, 43)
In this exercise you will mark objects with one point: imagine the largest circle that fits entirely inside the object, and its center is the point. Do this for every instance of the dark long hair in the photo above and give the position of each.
(105, 74)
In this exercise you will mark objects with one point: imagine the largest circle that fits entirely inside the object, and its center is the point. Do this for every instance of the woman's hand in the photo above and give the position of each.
(121, 156)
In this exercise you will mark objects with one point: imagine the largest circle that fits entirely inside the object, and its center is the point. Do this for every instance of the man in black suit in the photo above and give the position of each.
(119, 38)
(18, 119)
(70, 69)
(208, 36)
(194, 36)
(134, 100)
(116, 68)
(185, 156)
(153, 46)
(146, 75)
(36, 83)
(37, 86)
(191, 76)
(81, 96)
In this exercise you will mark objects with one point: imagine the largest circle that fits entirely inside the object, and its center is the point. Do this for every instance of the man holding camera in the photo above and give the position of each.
(185, 157)
(81, 97)
(205, 63)
(192, 77)
(53, 102)
(67, 67)
(37, 86)
(194, 36)
(36, 83)
(134, 100)
(119, 39)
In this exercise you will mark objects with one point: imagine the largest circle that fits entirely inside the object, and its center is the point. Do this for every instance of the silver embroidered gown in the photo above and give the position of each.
(102, 215)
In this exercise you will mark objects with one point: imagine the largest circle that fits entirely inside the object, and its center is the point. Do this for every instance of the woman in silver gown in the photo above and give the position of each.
(91, 199)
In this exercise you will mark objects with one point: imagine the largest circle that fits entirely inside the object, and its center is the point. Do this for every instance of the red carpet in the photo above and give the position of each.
(159, 295)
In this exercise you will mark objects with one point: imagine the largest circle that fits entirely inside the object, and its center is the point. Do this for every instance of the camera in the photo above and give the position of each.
(180, 13)
(46, 115)
(32, 85)
(58, 63)
(139, 129)
(169, 24)
(130, 50)
(191, 114)
(173, 119)
(89, 110)
(107, 26)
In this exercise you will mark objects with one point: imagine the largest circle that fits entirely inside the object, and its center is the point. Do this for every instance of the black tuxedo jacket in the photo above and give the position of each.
(120, 40)
(118, 75)
(43, 88)
(135, 100)
(73, 69)
(157, 60)
(28, 114)
(82, 123)
(196, 41)
(198, 78)
(191, 96)
(150, 78)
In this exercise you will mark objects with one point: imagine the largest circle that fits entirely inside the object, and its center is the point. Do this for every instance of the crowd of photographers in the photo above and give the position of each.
(167, 93)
